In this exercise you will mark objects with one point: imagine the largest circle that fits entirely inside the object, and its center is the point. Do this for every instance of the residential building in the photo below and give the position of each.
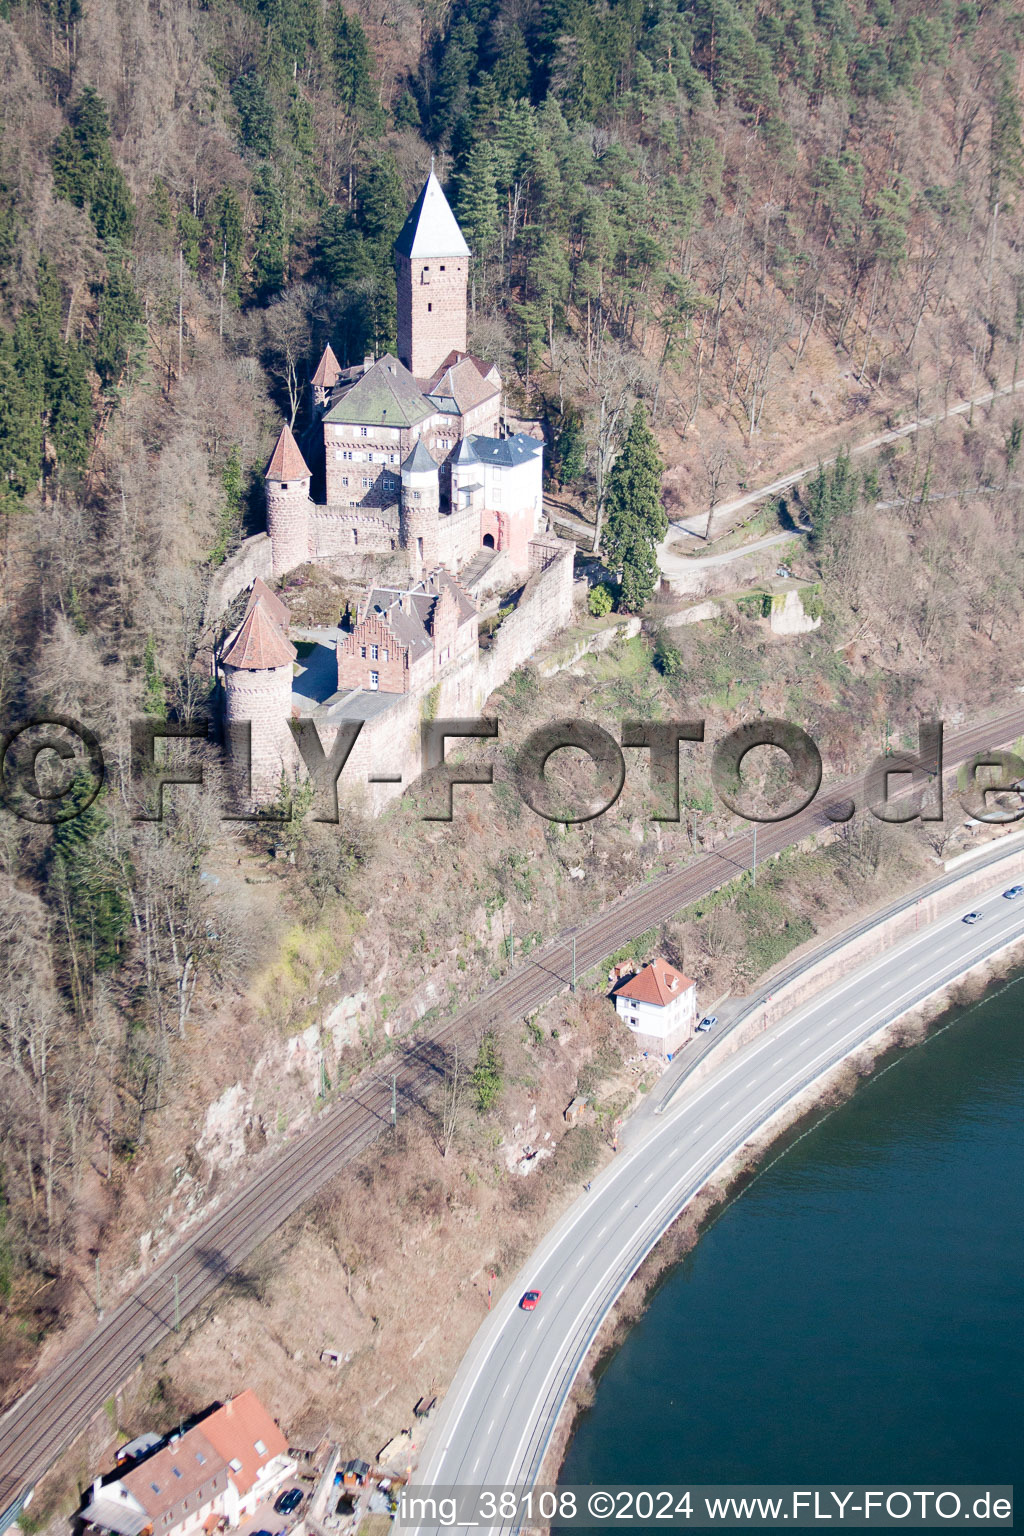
(217, 1472)
(659, 1005)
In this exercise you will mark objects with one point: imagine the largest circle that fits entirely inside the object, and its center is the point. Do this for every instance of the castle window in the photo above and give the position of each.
(442, 267)
(367, 484)
(362, 651)
(284, 486)
(385, 656)
(429, 308)
(415, 495)
(355, 536)
(344, 479)
(374, 680)
(374, 653)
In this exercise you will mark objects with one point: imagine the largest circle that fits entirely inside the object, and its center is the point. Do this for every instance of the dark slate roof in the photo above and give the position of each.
(387, 395)
(431, 228)
(420, 461)
(507, 451)
(409, 612)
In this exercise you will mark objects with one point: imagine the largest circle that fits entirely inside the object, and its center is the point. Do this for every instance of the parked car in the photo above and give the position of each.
(286, 1503)
(529, 1301)
(972, 917)
(707, 1023)
(1014, 892)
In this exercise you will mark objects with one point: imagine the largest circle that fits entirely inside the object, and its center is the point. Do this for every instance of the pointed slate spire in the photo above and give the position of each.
(286, 462)
(420, 461)
(431, 228)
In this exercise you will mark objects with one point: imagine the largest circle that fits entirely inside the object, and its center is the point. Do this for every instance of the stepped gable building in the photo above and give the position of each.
(392, 428)
(405, 637)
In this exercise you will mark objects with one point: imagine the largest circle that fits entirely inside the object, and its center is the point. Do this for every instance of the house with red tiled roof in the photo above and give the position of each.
(255, 1450)
(659, 1007)
(216, 1473)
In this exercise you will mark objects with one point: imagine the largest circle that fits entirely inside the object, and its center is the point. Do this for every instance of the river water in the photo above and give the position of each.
(857, 1314)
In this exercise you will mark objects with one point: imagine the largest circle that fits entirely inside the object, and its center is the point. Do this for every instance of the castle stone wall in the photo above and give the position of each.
(545, 607)
(390, 743)
(335, 533)
(251, 559)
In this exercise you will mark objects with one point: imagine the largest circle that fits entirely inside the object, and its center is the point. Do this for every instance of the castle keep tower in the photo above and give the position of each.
(420, 510)
(432, 262)
(288, 504)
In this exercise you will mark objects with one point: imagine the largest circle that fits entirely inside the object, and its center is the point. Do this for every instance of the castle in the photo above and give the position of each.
(422, 472)
(415, 456)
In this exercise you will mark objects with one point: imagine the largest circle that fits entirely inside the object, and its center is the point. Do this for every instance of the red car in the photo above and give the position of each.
(530, 1300)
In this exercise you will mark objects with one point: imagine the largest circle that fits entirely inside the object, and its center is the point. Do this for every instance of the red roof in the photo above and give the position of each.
(259, 592)
(243, 1432)
(657, 983)
(328, 369)
(286, 462)
(258, 643)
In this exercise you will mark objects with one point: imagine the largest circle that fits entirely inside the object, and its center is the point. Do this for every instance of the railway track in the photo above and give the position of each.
(58, 1407)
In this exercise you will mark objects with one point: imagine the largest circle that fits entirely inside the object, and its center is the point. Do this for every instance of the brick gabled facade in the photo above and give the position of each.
(405, 639)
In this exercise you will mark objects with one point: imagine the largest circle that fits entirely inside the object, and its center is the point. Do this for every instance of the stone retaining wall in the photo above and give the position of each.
(834, 966)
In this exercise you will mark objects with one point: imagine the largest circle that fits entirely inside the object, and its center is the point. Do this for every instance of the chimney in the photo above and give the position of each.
(367, 362)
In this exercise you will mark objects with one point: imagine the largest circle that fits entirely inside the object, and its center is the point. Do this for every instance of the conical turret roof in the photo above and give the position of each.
(419, 461)
(286, 462)
(328, 369)
(258, 644)
(431, 228)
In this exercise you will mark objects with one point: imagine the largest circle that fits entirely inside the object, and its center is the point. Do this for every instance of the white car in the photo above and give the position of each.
(708, 1023)
(971, 917)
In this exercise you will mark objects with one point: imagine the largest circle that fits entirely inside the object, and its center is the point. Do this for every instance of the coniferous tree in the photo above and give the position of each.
(84, 171)
(121, 339)
(636, 521)
(831, 495)
(92, 903)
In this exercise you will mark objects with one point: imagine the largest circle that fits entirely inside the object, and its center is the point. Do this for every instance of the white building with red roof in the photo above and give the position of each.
(216, 1473)
(659, 1006)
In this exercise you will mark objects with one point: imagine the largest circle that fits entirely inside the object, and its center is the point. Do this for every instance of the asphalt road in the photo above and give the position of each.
(62, 1402)
(502, 1407)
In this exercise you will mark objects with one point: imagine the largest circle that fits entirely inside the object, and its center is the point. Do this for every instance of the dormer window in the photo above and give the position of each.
(259, 1448)
(235, 1464)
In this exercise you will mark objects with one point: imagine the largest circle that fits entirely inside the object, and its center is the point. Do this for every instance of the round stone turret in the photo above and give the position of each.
(288, 504)
(420, 511)
(257, 666)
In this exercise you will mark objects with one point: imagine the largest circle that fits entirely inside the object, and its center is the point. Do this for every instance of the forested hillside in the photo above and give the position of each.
(714, 208)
